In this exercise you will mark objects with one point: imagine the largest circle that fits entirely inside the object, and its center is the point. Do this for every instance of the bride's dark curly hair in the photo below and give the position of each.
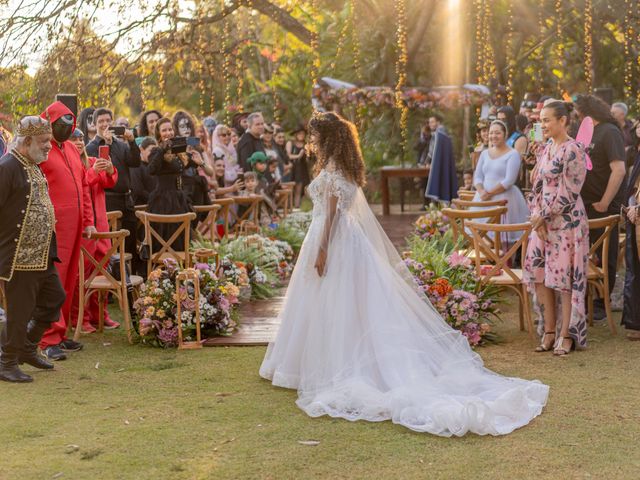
(338, 142)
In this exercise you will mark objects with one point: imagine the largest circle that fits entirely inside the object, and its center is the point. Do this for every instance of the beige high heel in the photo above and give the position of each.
(543, 347)
(560, 351)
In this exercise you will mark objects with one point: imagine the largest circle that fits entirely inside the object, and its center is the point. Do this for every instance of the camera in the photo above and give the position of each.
(117, 131)
(178, 145)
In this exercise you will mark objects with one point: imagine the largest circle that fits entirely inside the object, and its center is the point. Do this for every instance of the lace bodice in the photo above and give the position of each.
(331, 183)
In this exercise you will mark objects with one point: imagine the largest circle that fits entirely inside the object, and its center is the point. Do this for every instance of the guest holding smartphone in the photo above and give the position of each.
(100, 175)
(124, 155)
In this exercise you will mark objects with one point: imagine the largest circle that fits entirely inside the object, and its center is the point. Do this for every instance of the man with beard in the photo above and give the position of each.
(71, 200)
(28, 249)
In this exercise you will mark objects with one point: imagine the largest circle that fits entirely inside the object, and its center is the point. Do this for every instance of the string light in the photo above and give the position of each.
(479, 9)
(143, 88)
(489, 54)
(559, 45)
(212, 96)
(226, 66)
(253, 29)
(315, 64)
(239, 76)
(355, 40)
(588, 45)
(637, 13)
(78, 77)
(510, 59)
(401, 70)
(629, 36)
(161, 82)
(343, 35)
(201, 67)
(540, 49)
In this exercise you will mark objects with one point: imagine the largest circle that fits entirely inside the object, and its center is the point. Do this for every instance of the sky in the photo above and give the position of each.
(105, 23)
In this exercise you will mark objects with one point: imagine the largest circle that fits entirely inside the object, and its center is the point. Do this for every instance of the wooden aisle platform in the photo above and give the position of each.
(259, 319)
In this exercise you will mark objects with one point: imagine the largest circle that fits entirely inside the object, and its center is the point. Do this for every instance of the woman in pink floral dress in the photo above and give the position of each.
(556, 260)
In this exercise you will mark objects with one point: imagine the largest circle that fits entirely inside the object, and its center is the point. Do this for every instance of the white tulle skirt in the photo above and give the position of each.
(361, 343)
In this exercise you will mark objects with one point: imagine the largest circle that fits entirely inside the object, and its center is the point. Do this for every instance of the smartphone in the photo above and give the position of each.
(117, 131)
(193, 141)
(103, 152)
(241, 176)
(536, 132)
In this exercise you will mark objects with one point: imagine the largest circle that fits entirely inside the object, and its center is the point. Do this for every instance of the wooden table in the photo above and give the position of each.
(398, 172)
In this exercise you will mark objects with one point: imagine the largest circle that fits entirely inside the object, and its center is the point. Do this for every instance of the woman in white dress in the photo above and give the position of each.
(496, 174)
(358, 340)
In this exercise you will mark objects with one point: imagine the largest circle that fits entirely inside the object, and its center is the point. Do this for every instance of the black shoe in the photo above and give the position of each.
(54, 353)
(70, 346)
(14, 374)
(35, 360)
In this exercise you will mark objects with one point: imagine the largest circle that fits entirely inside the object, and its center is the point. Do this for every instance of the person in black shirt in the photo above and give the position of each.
(250, 141)
(602, 193)
(142, 182)
(124, 155)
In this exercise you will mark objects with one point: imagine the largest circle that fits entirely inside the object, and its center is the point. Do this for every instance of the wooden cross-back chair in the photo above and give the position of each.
(224, 213)
(459, 218)
(251, 214)
(467, 204)
(286, 203)
(102, 282)
(207, 227)
(166, 250)
(496, 269)
(284, 200)
(114, 218)
(598, 267)
(466, 195)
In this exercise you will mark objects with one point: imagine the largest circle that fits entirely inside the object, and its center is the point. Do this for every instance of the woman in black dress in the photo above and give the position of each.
(297, 153)
(631, 309)
(169, 197)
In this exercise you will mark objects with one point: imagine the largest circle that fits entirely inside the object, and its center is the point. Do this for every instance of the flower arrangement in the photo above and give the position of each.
(413, 98)
(292, 230)
(264, 254)
(299, 221)
(452, 286)
(433, 222)
(157, 306)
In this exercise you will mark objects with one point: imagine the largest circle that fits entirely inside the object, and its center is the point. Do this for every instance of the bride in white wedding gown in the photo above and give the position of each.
(359, 340)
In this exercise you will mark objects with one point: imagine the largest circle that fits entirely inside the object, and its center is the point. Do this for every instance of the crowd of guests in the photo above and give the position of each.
(98, 163)
(532, 160)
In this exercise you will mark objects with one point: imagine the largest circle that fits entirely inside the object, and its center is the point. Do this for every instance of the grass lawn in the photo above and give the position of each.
(115, 411)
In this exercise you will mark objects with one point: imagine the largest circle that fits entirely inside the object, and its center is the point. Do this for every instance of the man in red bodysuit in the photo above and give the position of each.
(71, 200)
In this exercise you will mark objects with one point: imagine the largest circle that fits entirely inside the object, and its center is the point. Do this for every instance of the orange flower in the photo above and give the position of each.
(442, 287)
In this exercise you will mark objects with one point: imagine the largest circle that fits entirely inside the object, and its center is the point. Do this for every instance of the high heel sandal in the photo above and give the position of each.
(559, 350)
(543, 347)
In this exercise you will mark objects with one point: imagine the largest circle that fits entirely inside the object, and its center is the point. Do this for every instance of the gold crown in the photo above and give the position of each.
(33, 129)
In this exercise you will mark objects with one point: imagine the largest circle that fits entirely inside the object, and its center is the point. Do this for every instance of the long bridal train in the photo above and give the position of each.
(363, 343)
